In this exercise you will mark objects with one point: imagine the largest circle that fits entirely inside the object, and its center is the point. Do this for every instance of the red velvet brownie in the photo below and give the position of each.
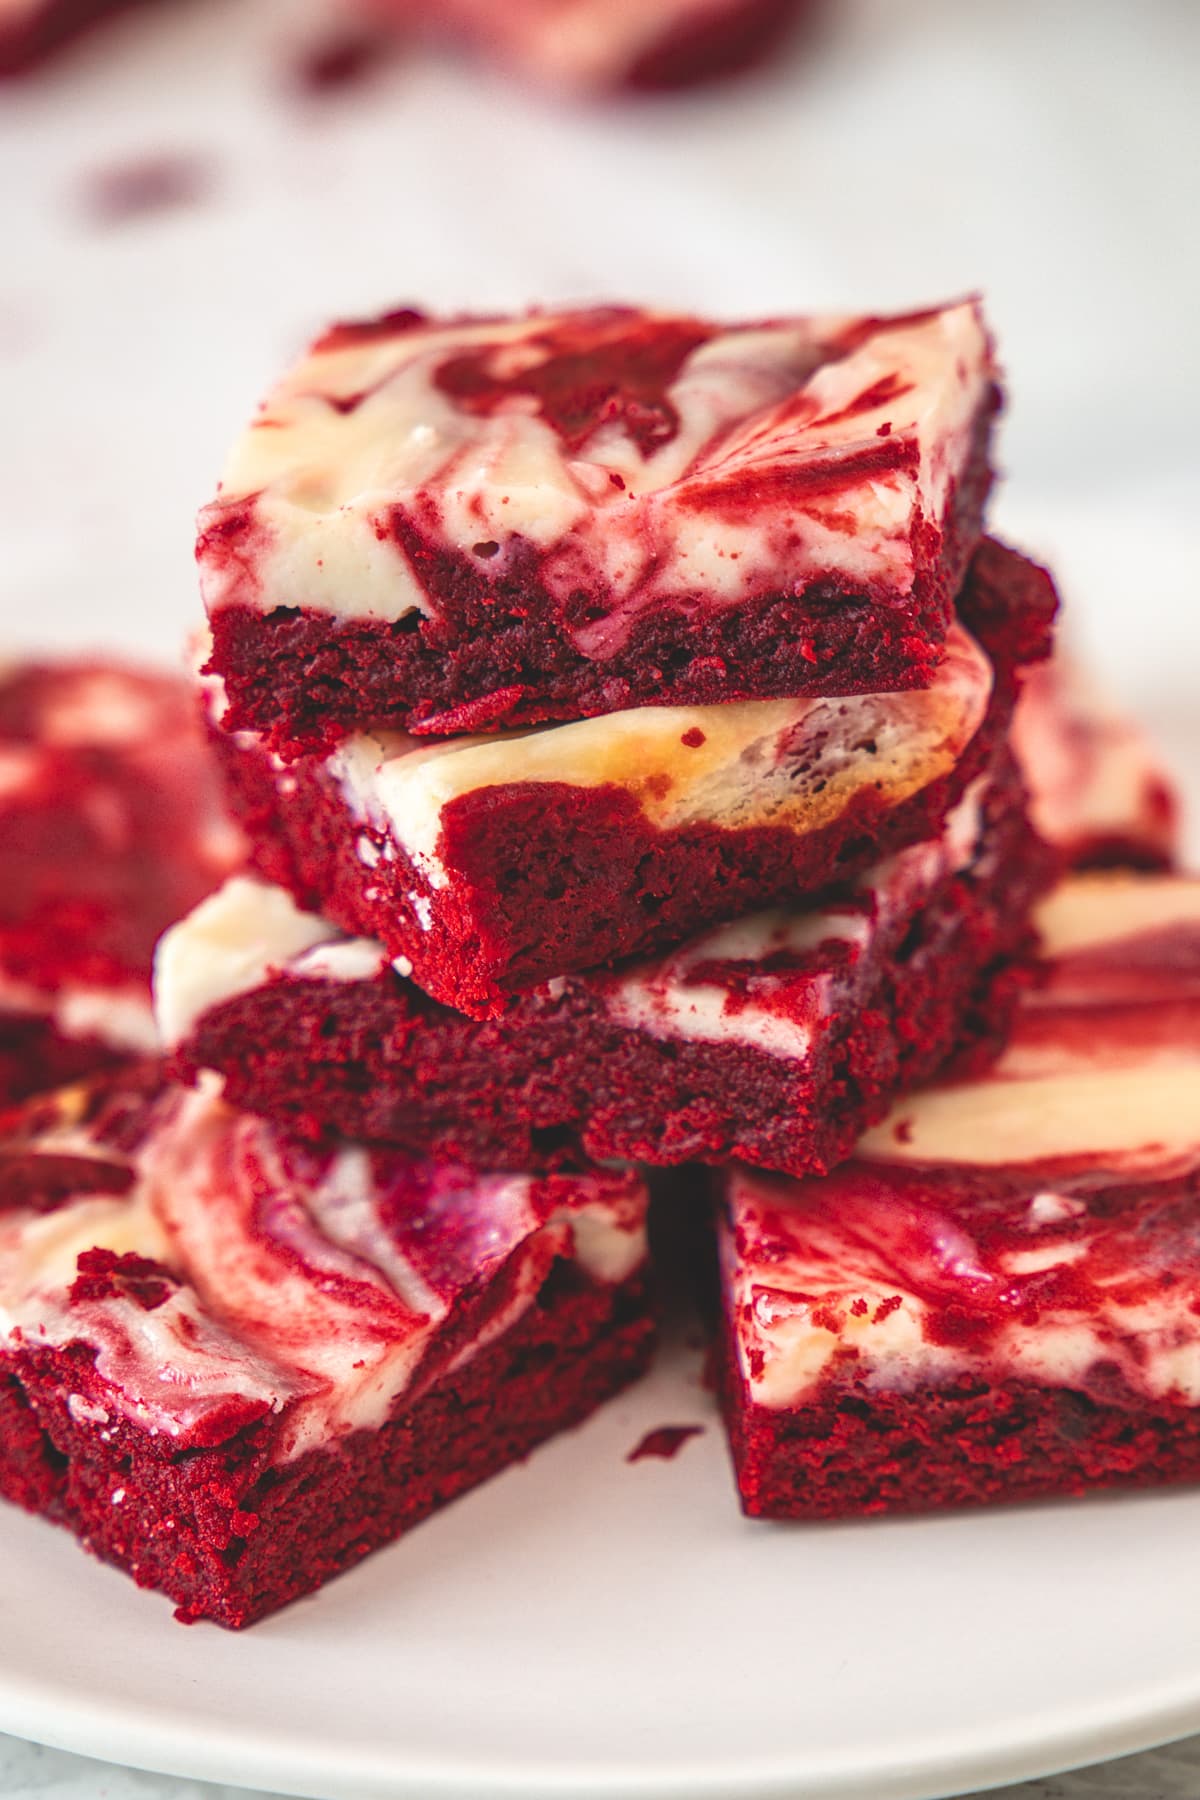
(31, 30)
(111, 828)
(490, 864)
(448, 525)
(600, 45)
(1100, 791)
(233, 1365)
(998, 1298)
(776, 1039)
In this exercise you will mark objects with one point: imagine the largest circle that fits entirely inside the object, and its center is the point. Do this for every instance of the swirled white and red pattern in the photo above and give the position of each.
(1038, 1220)
(223, 1272)
(647, 456)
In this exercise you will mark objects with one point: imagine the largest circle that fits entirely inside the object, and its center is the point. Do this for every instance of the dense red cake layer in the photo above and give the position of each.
(526, 880)
(998, 1296)
(111, 827)
(233, 1366)
(775, 1040)
(229, 1536)
(446, 526)
(967, 1444)
(31, 30)
(599, 45)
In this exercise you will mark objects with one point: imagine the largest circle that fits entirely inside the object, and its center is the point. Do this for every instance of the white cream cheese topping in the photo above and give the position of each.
(810, 1284)
(1092, 1072)
(231, 942)
(795, 764)
(361, 432)
(120, 1016)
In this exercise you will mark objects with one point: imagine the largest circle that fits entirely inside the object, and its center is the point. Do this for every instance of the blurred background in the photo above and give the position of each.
(182, 207)
(187, 195)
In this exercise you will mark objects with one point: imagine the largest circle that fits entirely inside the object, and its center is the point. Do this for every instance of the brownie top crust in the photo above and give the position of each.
(640, 458)
(1036, 1222)
(223, 1273)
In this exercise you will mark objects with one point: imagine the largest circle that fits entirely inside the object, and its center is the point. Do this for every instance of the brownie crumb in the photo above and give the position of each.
(666, 1441)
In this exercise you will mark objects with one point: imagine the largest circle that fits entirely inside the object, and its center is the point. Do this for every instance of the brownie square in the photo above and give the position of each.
(445, 525)
(233, 1365)
(998, 1297)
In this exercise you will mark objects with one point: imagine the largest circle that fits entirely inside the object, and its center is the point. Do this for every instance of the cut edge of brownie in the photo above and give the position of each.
(229, 1537)
(304, 680)
(35, 1055)
(849, 1452)
(375, 1058)
(522, 850)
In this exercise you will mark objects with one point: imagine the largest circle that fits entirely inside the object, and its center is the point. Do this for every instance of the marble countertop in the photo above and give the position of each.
(31, 1772)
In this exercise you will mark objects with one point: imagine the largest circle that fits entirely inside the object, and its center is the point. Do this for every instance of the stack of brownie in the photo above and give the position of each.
(619, 709)
(559, 663)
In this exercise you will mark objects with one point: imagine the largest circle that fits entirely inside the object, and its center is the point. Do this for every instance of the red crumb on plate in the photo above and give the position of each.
(665, 1442)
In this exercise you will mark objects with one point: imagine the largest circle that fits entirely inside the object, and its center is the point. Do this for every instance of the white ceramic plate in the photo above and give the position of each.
(585, 1628)
(589, 1627)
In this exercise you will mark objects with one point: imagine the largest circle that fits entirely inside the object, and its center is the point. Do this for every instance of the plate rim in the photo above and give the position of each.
(177, 1743)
